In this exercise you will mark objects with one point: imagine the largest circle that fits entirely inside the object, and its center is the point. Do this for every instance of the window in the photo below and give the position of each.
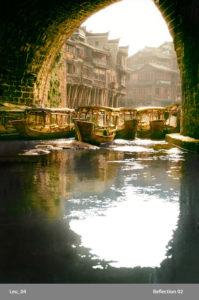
(86, 72)
(151, 76)
(123, 80)
(165, 91)
(123, 61)
(134, 77)
(99, 74)
(80, 52)
(157, 91)
(70, 68)
(179, 90)
(70, 49)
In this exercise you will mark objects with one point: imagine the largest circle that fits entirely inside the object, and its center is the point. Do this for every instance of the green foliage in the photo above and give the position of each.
(54, 95)
(57, 59)
(191, 122)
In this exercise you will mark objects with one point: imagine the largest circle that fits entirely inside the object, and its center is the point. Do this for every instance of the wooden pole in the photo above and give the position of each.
(69, 95)
(74, 96)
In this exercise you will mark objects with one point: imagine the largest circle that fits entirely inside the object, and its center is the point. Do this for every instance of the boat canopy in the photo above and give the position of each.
(150, 109)
(89, 108)
(173, 107)
(127, 109)
(65, 110)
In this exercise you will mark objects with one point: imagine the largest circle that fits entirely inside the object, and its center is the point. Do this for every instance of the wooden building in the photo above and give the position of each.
(154, 77)
(95, 69)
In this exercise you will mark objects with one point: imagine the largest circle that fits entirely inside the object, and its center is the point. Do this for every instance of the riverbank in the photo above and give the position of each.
(184, 142)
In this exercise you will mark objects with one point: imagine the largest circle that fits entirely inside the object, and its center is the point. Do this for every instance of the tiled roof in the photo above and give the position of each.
(162, 68)
(155, 66)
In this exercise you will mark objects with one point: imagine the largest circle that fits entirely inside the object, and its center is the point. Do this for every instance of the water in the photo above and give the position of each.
(127, 213)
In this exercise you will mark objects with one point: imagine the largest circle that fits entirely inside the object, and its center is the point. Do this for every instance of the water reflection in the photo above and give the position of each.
(182, 264)
(134, 233)
(130, 222)
(109, 215)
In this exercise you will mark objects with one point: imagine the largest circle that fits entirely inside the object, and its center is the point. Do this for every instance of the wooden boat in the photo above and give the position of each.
(44, 133)
(96, 124)
(151, 122)
(9, 112)
(157, 128)
(127, 124)
(172, 118)
(43, 127)
(86, 132)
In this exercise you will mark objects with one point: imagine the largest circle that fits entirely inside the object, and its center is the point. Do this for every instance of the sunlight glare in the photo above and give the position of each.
(133, 233)
(138, 23)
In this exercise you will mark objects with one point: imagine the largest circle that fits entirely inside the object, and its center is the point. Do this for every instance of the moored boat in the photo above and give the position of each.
(127, 124)
(151, 122)
(46, 133)
(9, 112)
(96, 124)
(157, 128)
(86, 132)
(46, 124)
(172, 118)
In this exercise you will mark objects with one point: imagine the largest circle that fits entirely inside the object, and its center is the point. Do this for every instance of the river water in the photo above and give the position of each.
(125, 213)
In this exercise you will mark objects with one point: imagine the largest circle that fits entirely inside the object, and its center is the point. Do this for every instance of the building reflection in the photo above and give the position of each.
(70, 174)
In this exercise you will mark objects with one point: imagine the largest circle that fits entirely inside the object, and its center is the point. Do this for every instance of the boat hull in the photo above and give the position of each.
(157, 129)
(154, 131)
(28, 133)
(87, 133)
(128, 131)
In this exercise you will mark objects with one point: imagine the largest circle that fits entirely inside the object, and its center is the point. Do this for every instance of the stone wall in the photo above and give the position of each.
(55, 95)
(183, 22)
(31, 35)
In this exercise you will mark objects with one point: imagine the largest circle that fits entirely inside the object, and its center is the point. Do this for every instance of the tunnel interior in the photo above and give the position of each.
(32, 32)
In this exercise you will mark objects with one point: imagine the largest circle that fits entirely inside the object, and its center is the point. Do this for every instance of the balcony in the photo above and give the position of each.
(113, 85)
(73, 78)
(99, 83)
(122, 68)
(86, 81)
(99, 63)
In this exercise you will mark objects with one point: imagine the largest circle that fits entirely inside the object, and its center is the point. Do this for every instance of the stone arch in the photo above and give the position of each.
(183, 23)
(33, 31)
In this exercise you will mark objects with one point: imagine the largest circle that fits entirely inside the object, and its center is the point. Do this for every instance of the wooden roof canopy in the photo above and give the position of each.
(50, 110)
(88, 108)
(150, 109)
(127, 109)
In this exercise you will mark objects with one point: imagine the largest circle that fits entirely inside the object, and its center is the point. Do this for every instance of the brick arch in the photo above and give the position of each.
(32, 31)
(183, 23)
(31, 34)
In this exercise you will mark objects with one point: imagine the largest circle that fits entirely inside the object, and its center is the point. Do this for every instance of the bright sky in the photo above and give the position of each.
(138, 23)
